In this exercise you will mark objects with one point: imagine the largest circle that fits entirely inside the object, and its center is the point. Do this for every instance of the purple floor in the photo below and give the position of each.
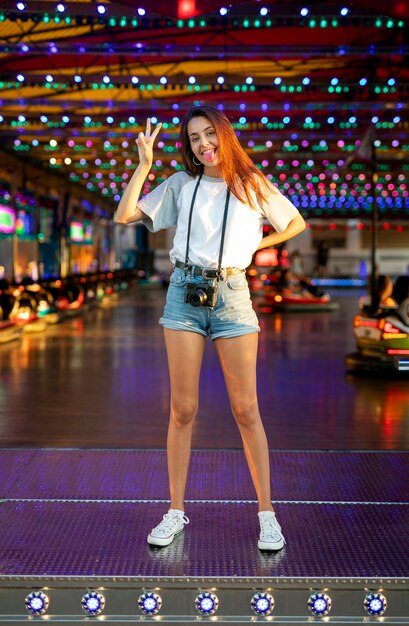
(87, 513)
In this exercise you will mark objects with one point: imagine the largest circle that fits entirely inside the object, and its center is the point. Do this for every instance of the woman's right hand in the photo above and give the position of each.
(145, 143)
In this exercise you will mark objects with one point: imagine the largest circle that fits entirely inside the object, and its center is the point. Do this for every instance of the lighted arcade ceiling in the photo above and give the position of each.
(302, 83)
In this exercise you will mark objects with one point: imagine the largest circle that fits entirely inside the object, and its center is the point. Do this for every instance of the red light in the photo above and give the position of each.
(186, 8)
(386, 226)
(332, 226)
(360, 226)
(395, 351)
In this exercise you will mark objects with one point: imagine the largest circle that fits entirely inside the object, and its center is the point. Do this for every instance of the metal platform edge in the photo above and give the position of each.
(178, 596)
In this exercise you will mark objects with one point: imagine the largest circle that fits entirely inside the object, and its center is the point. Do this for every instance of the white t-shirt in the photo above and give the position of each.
(169, 205)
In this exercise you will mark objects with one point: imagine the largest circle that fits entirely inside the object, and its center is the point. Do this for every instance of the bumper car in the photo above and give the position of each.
(300, 301)
(295, 294)
(24, 312)
(382, 341)
(9, 330)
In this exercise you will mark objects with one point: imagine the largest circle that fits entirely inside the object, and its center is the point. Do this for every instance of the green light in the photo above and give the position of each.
(323, 23)
(46, 18)
(57, 20)
(112, 21)
(202, 23)
(334, 23)
(181, 23)
(191, 23)
(378, 23)
(134, 22)
(246, 23)
(67, 20)
(312, 23)
(123, 21)
(257, 23)
(390, 24)
(283, 88)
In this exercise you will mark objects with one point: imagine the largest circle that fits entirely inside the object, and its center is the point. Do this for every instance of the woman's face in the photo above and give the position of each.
(204, 144)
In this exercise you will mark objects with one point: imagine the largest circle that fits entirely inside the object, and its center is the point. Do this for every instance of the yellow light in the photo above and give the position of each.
(278, 298)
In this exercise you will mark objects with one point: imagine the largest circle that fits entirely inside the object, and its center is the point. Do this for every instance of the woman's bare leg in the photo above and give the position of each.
(238, 357)
(185, 353)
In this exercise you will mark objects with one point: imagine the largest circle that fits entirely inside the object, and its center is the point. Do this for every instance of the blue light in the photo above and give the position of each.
(87, 119)
(375, 119)
(134, 80)
(375, 603)
(110, 119)
(206, 603)
(262, 603)
(20, 77)
(163, 80)
(308, 120)
(242, 120)
(141, 11)
(154, 120)
(391, 82)
(264, 120)
(306, 80)
(286, 119)
(278, 80)
(319, 604)
(352, 119)
(334, 81)
(192, 80)
(101, 9)
(363, 82)
(396, 119)
(344, 11)
(220, 80)
(93, 603)
(37, 602)
(106, 79)
(61, 7)
(223, 11)
(249, 80)
(49, 78)
(44, 119)
(21, 6)
(77, 78)
(65, 119)
(331, 119)
(149, 603)
(304, 12)
(263, 11)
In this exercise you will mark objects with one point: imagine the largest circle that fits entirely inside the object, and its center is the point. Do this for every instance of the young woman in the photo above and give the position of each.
(218, 205)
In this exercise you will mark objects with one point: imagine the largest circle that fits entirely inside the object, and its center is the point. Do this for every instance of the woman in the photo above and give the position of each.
(218, 205)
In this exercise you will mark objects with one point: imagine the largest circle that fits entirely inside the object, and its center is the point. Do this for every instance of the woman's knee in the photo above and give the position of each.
(183, 412)
(246, 413)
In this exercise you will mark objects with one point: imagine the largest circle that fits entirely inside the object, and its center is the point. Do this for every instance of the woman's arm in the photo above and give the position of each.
(296, 226)
(128, 210)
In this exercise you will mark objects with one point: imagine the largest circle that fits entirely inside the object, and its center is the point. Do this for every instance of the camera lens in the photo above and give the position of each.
(198, 298)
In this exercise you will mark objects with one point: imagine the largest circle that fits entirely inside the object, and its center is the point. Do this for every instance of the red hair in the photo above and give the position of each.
(238, 170)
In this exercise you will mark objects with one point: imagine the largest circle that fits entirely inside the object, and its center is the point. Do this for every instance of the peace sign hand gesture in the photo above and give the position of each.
(145, 143)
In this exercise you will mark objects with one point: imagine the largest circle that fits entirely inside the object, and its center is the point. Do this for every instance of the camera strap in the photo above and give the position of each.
(226, 208)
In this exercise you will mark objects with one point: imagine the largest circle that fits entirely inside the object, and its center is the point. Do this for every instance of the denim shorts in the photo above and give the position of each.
(232, 316)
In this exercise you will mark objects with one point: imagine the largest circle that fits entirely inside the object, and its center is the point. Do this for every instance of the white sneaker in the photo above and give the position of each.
(271, 537)
(172, 524)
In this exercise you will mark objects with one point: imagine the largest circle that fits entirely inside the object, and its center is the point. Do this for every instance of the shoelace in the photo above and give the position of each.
(270, 527)
(170, 520)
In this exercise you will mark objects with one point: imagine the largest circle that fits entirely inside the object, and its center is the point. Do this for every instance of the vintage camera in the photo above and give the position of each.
(201, 294)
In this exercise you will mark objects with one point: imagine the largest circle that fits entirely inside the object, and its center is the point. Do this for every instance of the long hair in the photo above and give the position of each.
(238, 170)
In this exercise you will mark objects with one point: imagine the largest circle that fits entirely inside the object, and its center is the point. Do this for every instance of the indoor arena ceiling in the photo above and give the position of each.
(302, 83)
